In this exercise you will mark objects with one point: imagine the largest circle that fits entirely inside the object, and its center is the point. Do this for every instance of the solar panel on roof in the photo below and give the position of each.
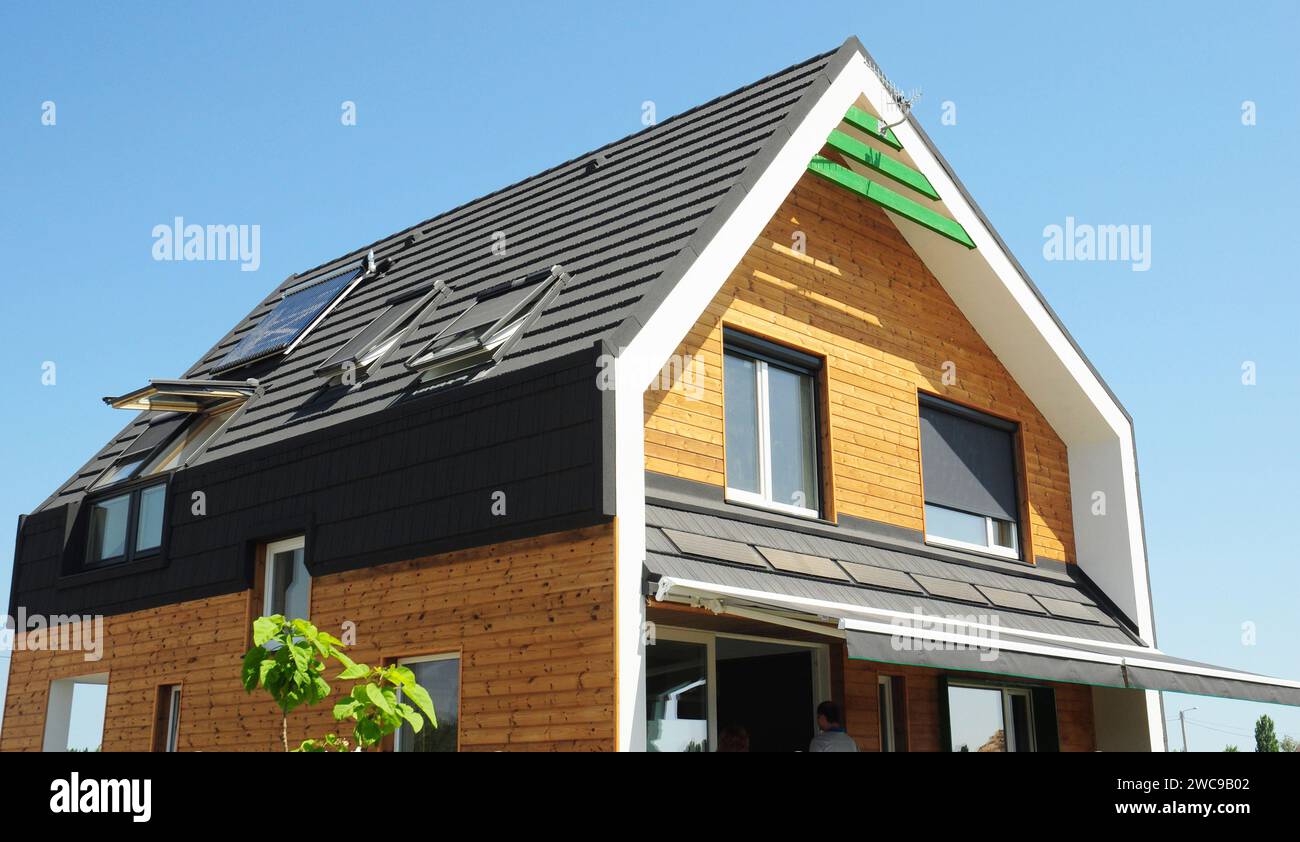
(295, 312)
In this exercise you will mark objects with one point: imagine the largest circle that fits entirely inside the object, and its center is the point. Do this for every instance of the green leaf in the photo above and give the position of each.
(266, 628)
(379, 699)
(347, 709)
(249, 672)
(354, 671)
(367, 733)
(412, 716)
(420, 697)
(401, 676)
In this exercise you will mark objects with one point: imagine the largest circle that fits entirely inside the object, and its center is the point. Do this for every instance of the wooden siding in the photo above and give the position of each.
(863, 300)
(531, 618)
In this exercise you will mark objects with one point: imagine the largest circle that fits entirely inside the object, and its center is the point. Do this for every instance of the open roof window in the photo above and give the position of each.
(377, 340)
(298, 311)
(185, 395)
(496, 319)
(171, 441)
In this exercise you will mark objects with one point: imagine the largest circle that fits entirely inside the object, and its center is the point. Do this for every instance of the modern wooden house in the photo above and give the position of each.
(746, 411)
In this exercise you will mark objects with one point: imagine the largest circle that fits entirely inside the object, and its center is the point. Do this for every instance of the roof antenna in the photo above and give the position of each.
(898, 100)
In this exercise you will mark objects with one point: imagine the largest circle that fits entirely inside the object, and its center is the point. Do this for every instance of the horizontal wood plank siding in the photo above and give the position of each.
(531, 618)
(860, 297)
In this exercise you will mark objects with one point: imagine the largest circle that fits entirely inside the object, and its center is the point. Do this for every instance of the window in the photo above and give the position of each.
(677, 696)
(440, 676)
(969, 468)
(198, 434)
(287, 583)
(496, 319)
(167, 723)
(165, 445)
(126, 526)
(298, 311)
(993, 719)
(708, 691)
(184, 395)
(377, 340)
(74, 713)
(893, 713)
(771, 426)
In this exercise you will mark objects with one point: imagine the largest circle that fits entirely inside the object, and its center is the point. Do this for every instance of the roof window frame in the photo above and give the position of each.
(494, 342)
(417, 304)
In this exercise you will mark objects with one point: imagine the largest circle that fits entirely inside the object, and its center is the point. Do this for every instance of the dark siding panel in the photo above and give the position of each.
(415, 479)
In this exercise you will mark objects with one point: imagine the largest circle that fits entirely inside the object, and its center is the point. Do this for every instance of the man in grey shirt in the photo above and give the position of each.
(831, 735)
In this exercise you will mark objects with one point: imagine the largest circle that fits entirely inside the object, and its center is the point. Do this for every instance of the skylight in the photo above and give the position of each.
(373, 343)
(184, 395)
(485, 331)
(297, 312)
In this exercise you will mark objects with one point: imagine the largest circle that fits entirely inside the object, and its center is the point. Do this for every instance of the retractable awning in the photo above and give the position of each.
(974, 644)
(184, 395)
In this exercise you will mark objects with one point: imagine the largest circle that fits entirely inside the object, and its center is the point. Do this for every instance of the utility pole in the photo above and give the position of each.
(1182, 721)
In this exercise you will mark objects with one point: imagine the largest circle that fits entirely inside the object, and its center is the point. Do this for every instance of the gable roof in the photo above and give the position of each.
(618, 228)
(963, 253)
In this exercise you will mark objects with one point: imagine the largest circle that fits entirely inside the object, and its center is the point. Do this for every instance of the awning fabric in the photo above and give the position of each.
(967, 645)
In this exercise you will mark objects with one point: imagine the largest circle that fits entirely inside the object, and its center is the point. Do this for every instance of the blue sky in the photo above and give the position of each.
(1113, 113)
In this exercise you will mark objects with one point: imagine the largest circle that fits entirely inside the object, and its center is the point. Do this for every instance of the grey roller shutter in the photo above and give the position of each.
(968, 465)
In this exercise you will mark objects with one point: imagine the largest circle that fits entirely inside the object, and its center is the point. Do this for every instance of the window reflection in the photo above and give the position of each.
(677, 698)
(975, 719)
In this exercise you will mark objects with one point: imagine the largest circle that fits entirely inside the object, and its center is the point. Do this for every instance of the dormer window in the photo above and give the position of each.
(376, 341)
(484, 332)
(297, 312)
(127, 526)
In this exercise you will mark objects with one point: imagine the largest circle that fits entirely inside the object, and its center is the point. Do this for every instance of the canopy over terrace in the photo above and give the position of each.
(952, 642)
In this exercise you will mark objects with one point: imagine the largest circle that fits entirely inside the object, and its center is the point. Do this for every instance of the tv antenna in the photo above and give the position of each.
(897, 99)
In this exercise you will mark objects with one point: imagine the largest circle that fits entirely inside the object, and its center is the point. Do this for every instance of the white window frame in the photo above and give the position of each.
(420, 659)
(887, 713)
(820, 677)
(763, 498)
(298, 542)
(172, 741)
(1008, 720)
(1012, 552)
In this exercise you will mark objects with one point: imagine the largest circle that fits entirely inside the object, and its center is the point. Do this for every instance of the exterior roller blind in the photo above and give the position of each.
(968, 464)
